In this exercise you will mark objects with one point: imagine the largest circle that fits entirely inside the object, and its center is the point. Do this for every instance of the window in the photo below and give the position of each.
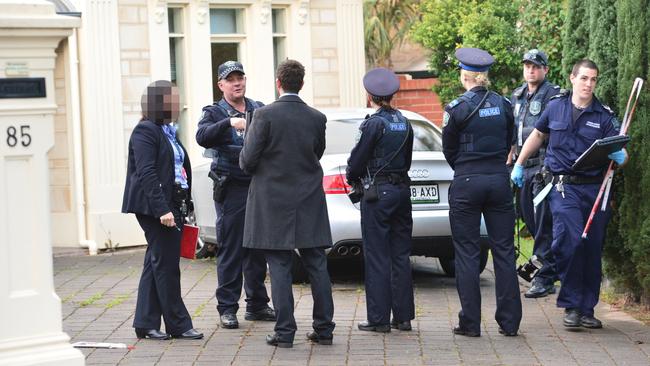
(227, 35)
(177, 64)
(278, 19)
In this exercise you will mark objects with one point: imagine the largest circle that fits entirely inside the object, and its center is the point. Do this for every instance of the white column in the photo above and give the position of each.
(258, 53)
(300, 47)
(352, 64)
(30, 316)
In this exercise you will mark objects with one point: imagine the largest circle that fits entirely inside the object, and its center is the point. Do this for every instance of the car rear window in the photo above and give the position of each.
(341, 136)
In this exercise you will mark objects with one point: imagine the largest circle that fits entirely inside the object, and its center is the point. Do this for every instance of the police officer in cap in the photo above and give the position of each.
(528, 102)
(382, 159)
(221, 132)
(476, 139)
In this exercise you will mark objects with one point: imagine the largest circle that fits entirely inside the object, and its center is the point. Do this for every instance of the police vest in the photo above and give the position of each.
(226, 157)
(485, 132)
(396, 130)
(527, 112)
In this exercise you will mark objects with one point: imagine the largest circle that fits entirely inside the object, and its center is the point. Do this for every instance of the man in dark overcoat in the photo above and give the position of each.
(286, 209)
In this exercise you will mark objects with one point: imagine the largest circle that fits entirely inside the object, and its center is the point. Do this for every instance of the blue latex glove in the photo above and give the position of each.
(618, 156)
(517, 175)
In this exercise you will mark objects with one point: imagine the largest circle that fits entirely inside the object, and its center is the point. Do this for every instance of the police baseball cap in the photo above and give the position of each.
(474, 59)
(229, 67)
(536, 56)
(381, 82)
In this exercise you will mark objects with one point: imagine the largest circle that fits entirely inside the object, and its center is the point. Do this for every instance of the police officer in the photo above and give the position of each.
(382, 158)
(476, 140)
(220, 131)
(572, 121)
(528, 102)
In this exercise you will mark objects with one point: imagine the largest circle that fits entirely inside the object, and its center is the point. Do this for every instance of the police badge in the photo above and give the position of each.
(535, 107)
(445, 119)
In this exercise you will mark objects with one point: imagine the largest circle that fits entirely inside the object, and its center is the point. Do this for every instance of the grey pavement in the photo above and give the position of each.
(98, 295)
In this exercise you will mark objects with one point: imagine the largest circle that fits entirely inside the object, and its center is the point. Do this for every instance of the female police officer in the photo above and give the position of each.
(382, 158)
(476, 137)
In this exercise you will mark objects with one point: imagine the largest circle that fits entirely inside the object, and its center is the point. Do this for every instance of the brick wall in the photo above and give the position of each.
(416, 96)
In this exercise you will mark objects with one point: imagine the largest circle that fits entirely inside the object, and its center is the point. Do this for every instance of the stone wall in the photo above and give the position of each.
(416, 96)
(325, 53)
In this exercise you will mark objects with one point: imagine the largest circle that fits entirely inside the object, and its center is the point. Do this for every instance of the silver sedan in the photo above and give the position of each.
(430, 175)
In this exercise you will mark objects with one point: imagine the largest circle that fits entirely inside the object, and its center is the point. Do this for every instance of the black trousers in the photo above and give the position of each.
(236, 264)
(315, 263)
(469, 197)
(159, 292)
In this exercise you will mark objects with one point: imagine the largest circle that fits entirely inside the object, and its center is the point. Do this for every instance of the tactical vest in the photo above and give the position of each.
(527, 112)
(486, 131)
(396, 129)
(226, 157)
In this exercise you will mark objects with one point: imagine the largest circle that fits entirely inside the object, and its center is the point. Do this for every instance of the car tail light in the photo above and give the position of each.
(335, 184)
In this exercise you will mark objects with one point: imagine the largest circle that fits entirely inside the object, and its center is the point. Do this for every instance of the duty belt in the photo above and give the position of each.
(392, 179)
(576, 179)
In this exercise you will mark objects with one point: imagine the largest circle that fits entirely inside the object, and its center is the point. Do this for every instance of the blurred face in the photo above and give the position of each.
(584, 82)
(161, 103)
(534, 74)
(233, 87)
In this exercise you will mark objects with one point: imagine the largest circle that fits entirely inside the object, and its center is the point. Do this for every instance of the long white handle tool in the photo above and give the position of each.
(101, 345)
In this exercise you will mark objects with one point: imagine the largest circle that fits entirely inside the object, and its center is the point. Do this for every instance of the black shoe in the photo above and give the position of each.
(405, 325)
(590, 322)
(507, 334)
(190, 334)
(266, 314)
(571, 318)
(151, 334)
(379, 328)
(539, 289)
(314, 337)
(274, 340)
(229, 321)
(465, 332)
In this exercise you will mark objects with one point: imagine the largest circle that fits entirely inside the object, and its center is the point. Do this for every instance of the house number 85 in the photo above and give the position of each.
(13, 135)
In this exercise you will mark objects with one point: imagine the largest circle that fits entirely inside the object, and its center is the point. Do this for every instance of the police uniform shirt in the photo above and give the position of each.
(568, 139)
(527, 108)
(476, 157)
(370, 133)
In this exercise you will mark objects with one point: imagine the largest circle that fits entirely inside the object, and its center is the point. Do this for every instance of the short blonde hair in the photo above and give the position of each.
(480, 78)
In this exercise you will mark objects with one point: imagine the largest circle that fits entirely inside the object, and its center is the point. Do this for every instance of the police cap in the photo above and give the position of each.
(381, 82)
(229, 67)
(536, 56)
(474, 59)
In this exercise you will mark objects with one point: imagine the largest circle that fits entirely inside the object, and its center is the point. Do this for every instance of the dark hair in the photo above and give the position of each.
(291, 74)
(382, 101)
(585, 62)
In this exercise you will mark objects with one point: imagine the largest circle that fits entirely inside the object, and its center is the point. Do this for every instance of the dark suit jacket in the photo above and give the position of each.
(286, 206)
(150, 171)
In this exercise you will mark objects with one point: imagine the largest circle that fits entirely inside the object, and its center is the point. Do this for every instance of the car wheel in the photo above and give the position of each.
(298, 271)
(449, 267)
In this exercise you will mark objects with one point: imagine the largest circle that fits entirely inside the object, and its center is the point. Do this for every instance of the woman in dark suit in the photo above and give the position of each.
(157, 191)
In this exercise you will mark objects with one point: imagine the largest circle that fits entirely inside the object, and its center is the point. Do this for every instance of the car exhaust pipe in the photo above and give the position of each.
(355, 250)
(342, 250)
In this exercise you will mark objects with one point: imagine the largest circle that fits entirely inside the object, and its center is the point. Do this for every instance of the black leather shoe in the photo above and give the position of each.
(314, 337)
(190, 334)
(539, 289)
(266, 314)
(151, 334)
(379, 328)
(590, 322)
(405, 325)
(229, 321)
(274, 340)
(507, 334)
(465, 332)
(571, 318)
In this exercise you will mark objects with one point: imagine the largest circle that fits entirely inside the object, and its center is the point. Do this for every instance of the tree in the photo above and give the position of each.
(575, 36)
(603, 48)
(385, 28)
(488, 24)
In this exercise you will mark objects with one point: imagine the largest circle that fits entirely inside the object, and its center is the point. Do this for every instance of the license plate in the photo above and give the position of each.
(425, 193)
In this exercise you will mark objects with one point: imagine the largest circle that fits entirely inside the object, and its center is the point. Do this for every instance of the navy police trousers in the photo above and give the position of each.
(469, 197)
(233, 259)
(386, 227)
(539, 222)
(578, 261)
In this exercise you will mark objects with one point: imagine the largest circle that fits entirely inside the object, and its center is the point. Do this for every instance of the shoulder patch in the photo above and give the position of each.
(453, 103)
(616, 122)
(445, 119)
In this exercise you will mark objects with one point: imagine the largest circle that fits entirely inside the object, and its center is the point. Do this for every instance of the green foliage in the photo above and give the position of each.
(575, 36)
(488, 24)
(603, 48)
(386, 26)
(540, 26)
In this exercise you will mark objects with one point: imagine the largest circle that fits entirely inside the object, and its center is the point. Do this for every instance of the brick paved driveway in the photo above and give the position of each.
(99, 292)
